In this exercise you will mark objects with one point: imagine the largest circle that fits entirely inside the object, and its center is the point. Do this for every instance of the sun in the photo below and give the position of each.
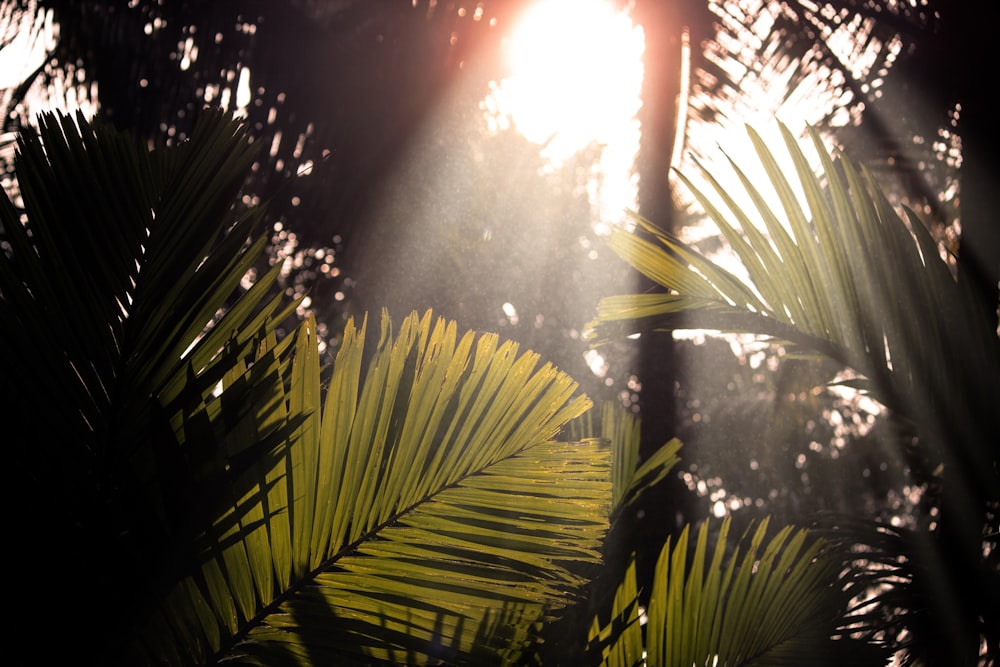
(575, 73)
(575, 79)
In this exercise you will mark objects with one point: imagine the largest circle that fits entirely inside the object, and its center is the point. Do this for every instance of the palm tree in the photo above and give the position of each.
(191, 492)
(845, 277)
(191, 487)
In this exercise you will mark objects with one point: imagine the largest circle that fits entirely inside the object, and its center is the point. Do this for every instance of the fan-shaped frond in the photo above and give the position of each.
(224, 502)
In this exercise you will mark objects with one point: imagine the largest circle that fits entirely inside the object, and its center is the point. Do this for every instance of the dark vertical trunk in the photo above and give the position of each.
(664, 24)
(657, 117)
(666, 507)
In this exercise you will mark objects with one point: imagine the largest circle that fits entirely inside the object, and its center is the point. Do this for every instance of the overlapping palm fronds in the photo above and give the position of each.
(772, 597)
(843, 275)
(412, 509)
(188, 486)
(631, 475)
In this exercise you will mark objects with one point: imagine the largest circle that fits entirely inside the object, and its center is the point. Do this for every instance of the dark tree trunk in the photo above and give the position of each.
(657, 117)
(663, 24)
(668, 506)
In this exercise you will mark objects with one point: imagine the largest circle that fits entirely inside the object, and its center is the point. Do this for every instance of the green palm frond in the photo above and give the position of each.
(126, 256)
(563, 642)
(842, 275)
(214, 494)
(409, 509)
(761, 600)
(116, 262)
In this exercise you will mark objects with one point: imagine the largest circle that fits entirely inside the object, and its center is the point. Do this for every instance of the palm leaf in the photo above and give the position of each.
(841, 274)
(408, 510)
(232, 507)
(113, 273)
(630, 478)
(759, 600)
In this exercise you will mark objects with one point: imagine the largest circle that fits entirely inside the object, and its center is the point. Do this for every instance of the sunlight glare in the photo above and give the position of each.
(574, 71)
(575, 78)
